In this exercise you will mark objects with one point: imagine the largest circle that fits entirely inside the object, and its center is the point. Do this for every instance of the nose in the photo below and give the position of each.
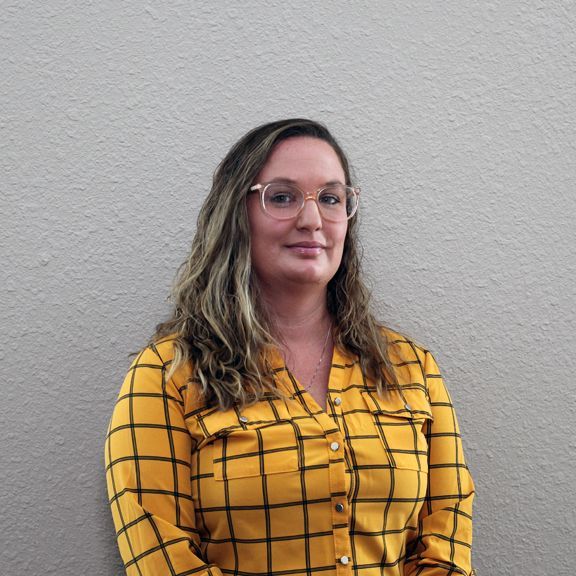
(309, 217)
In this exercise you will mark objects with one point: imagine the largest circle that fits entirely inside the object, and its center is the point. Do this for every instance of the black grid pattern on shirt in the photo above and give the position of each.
(170, 398)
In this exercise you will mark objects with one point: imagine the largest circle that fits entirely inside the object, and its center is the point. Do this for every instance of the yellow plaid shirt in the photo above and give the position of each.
(370, 486)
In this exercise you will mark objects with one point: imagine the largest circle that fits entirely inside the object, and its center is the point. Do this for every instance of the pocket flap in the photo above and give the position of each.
(218, 423)
(411, 404)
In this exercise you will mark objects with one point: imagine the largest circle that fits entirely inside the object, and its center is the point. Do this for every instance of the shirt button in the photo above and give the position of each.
(344, 560)
(334, 446)
(337, 401)
(243, 419)
(339, 507)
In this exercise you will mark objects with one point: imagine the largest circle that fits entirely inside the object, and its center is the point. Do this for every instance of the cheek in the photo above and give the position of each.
(265, 236)
(260, 258)
(266, 239)
(340, 236)
(339, 245)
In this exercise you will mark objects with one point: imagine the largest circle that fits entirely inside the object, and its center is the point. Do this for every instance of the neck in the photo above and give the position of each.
(294, 313)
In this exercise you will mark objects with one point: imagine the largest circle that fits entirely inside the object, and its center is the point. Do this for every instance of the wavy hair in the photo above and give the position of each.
(218, 325)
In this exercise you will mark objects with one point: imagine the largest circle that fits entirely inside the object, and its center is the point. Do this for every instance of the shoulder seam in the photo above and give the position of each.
(154, 347)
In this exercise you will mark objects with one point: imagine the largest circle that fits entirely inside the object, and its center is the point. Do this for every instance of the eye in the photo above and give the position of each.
(332, 196)
(281, 195)
(281, 198)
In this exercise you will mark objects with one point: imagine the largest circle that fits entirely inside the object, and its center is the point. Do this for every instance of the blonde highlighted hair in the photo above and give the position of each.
(217, 323)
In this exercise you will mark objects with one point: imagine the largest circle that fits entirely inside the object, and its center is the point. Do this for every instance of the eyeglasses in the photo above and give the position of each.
(282, 200)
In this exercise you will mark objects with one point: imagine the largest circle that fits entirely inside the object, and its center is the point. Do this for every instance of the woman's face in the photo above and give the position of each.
(306, 249)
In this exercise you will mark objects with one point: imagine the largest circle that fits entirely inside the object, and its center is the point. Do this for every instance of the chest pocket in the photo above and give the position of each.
(401, 425)
(260, 439)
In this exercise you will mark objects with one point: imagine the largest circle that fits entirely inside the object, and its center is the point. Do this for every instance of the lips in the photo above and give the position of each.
(307, 249)
(306, 245)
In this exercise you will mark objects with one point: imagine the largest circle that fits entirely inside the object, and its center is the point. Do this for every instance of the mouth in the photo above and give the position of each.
(307, 249)
(306, 245)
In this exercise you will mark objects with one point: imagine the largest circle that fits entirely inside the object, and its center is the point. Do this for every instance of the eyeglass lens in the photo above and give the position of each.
(335, 202)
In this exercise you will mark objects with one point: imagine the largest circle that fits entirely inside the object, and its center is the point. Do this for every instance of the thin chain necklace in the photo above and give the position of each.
(321, 358)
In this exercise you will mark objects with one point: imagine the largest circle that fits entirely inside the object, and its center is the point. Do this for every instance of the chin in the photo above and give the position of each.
(310, 277)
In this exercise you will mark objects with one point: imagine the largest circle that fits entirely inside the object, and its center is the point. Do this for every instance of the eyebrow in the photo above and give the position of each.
(291, 181)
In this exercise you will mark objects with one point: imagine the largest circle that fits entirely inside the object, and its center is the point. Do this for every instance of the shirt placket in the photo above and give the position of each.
(340, 374)
(336, 446)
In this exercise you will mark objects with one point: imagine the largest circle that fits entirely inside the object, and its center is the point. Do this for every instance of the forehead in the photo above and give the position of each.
(303, 158)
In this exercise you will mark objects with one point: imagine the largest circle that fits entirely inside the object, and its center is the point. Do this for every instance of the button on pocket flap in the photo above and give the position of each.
(264, 413)
(411, 404)
(215, 422)
(218, 423)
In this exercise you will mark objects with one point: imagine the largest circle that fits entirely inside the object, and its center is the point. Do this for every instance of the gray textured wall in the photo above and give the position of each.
(460, 118)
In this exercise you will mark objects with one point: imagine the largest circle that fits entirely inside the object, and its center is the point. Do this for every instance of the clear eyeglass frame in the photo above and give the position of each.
(351, 192)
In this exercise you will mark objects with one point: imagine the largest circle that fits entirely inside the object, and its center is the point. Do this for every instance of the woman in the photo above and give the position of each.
(272, 426)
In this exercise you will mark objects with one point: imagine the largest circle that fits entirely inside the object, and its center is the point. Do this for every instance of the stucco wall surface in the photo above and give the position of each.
(460, 120)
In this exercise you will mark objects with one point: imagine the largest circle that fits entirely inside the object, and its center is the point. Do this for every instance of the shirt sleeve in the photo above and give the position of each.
(443, 543)
(148, 450)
